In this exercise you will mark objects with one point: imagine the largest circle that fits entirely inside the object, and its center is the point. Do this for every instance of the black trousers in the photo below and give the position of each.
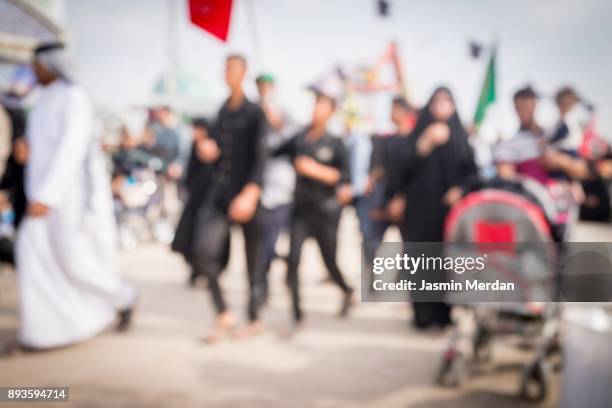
(7, 251)
(210, 251)
(427, 313)
(272, 221)
(323, 227)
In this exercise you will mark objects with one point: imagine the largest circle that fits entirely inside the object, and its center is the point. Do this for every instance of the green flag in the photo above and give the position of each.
(487, 94)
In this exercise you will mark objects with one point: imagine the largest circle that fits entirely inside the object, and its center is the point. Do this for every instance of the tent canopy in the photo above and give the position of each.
(22, 26)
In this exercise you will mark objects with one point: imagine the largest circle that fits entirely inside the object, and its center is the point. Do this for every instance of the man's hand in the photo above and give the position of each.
(373, 179)
(20, 150)
(274, 118)
(604, 168)
(4, 201)
(344, 194)
(553, 159)
(116, 184)
(207, 150)
(37, 209)
(175, 171)
(243, 206)
(306, 166)
(507, 171)
(396, 209)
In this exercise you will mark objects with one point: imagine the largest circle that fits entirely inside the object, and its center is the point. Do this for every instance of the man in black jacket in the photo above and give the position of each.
(235, 151)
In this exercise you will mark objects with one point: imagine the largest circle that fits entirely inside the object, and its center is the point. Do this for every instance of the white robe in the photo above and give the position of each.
(69, 284)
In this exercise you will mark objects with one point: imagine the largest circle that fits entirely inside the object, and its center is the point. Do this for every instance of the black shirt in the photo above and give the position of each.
(387, 156)
(239, 134)
(327, 150)
(396, 145)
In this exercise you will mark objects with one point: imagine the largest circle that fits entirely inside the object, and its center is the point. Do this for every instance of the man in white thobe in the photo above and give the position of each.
(70, 288)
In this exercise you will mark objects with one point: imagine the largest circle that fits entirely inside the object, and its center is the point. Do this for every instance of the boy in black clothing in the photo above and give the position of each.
(235, 151)
(323, 178)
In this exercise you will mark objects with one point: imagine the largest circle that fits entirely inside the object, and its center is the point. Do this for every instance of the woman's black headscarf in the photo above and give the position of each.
(458, 140)
(195, 167)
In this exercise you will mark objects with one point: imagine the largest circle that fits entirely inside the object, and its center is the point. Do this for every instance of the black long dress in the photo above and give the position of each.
(425, 182)
(197, 179)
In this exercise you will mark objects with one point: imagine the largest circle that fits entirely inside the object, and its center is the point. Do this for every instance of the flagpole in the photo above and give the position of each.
(171, 54)
(254, 34)
(499, 126)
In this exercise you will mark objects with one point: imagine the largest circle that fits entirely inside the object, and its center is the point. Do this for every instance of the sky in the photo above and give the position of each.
(121, 47)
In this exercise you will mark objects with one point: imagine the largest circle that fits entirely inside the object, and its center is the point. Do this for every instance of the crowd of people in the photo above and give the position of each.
(253, 167)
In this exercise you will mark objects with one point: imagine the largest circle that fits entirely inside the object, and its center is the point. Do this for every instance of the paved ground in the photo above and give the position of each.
(371, 360)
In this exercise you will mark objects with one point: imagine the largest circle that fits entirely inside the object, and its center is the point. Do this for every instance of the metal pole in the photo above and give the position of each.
(172, 43)
(254, 34)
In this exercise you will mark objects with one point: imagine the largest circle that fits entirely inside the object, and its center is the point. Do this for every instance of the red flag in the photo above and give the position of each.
(212, 16)
(593, 146)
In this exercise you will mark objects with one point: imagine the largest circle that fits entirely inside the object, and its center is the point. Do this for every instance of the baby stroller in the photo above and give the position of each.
(518, 235)
(139, 200)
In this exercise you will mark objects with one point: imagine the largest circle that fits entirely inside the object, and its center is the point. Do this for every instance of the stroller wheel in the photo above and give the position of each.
(452, 371)
(534, 382)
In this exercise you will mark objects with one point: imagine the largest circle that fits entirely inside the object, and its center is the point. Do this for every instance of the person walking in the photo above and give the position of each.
(322, 187)
(235, 151)
(278, 177)
(68, 278)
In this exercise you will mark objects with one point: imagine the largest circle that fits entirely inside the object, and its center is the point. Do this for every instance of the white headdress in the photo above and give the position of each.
(55, 58)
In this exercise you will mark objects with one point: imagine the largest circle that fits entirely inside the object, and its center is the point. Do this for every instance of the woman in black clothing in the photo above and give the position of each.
(438, 165)
(197, 178)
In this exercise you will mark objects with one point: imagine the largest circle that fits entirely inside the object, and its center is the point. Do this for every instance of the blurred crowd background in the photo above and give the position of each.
(487, 96)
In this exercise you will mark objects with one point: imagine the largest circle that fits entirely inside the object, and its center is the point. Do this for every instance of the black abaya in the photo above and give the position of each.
(197, 181)
(426, 181)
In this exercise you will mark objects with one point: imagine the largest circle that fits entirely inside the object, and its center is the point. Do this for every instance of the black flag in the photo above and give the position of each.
(383, 8)
(475, 49)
